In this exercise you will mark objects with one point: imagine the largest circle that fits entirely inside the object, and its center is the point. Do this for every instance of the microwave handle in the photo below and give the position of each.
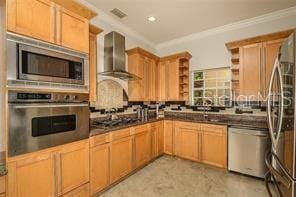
(28, 106)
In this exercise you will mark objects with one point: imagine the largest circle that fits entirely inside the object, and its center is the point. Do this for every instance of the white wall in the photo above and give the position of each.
(208, 48)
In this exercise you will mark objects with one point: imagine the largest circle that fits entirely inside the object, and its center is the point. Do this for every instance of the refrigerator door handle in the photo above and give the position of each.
(269, 94)
(275, 138)
(284, 180)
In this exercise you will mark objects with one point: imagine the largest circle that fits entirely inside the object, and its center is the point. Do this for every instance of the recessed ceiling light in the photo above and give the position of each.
(151, 18)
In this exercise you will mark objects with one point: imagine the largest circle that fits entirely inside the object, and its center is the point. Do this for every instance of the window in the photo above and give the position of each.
(212, 87)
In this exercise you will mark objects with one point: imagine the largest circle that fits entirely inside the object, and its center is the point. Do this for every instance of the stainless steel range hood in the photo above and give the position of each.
(114, 57)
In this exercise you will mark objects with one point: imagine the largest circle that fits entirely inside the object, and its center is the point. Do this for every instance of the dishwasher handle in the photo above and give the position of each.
(249, 134)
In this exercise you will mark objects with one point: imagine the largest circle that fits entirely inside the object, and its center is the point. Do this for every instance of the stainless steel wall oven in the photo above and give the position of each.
(41, 120)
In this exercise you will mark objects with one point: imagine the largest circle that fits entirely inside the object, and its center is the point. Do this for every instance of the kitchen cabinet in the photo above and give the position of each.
(270, 52)
(250, 72)
(142, 141)
(214, 145)
(48, 21)
(82, 191)
(73, 30)
(168, 137)
(252, 62)
(55, 171)
(32, 176)
(93, 33)
(99, 167)
(121, 153)
(156, 139)
(34, 18)
(173, 77)
(72, 166)
(187, 140)
(142, 64)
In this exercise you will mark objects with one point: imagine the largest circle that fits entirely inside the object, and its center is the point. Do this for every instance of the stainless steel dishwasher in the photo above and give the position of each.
(246, 149)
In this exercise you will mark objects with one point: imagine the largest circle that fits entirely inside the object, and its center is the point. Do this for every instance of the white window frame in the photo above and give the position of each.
(192, 89)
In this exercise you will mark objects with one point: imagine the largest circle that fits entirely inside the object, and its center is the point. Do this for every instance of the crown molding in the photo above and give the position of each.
(110, 21)
(233, 26)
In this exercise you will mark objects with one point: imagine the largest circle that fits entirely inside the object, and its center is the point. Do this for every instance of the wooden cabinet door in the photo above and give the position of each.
(154, 142)
(172, 80)
(142, 145)
(152, 80)
(73, 31)
(168, 137)
(120, 158)
(33, 18)
(160, 139)
(161, 81)
(270, 53)
(251, 69)
(146, 79)
(73, 166)
(92, 67)
(82, 191)
(31, 176)
(214, 145)
(187, 140)
(136, 87)
(99, 168)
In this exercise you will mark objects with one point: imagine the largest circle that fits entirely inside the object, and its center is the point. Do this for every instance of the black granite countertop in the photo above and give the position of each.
(259, 124)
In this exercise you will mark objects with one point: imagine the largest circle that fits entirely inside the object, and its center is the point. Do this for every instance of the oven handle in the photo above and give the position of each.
(27, 106)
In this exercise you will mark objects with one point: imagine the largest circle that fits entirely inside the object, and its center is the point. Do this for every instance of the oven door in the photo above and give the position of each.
(33, 127)
(49, 66)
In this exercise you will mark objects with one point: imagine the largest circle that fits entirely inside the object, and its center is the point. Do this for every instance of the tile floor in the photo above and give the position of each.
(170, 177)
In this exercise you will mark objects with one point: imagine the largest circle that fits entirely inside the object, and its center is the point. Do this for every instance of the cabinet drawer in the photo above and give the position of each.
(141, 128)
(188, 125)
(115, 135)
(211, 128)
(156, 124)
(82, 191)
(100, 139)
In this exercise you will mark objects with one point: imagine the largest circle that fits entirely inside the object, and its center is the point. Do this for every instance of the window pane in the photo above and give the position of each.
(210, 74)
(210, 83)
(198, 76)
(198, 84)
(198, 93)
(198, 101)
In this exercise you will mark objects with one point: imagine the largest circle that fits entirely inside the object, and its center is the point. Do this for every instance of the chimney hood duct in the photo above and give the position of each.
(114, 57)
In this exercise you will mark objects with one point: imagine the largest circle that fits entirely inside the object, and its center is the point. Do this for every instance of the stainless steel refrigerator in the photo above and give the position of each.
(280, 159)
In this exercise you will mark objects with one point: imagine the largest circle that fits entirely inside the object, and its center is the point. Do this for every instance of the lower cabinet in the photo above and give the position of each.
(156, 139)
(72, 166)
(206, 143)
(142, 142)
(121, 158)
(187, 140)
(214, 145)
(168, 137)
(99, 167)
(31, 176)
(49, 173)
(82, 191)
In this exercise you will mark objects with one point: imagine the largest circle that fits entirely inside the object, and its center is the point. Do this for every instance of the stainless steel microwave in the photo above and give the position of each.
(30, 60)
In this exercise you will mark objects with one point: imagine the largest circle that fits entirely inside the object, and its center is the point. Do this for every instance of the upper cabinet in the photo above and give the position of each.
(252, 62)
(162, 79)
(64, 24)
(93, 33)
(34, 18)
(173, 77)
(143, 64)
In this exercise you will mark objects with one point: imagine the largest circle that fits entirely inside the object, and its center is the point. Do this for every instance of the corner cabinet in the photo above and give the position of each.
(48, 21)
(142, 64)
(173, 77)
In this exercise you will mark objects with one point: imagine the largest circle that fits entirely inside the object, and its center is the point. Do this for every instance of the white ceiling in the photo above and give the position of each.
(178, 18)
